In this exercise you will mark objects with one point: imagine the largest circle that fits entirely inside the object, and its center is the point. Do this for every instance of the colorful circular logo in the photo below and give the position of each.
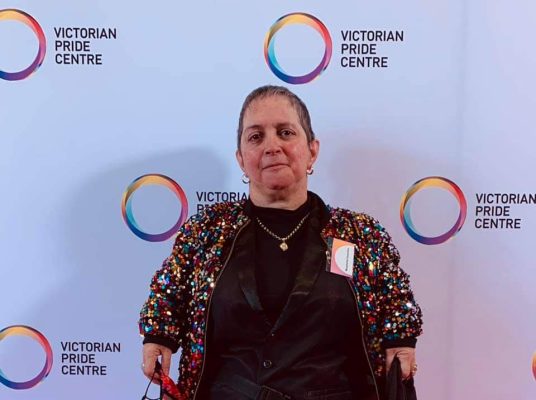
(27, 19)
(269, 50)
(21, 330)
(534, 365)
(153, 179)
(437, 182)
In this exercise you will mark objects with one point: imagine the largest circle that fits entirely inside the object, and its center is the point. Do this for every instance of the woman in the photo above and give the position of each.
(248, 292)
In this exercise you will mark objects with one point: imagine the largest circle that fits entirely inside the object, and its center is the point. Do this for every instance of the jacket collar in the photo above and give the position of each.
(308, 270)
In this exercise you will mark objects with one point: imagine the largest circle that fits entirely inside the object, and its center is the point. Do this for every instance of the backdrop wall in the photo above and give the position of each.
(94, 95)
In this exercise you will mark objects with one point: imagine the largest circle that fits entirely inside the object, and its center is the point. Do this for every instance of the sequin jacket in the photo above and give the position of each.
(179, 301)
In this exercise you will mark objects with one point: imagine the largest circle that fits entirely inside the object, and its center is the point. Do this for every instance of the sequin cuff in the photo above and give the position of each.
(162, 340)
(406, 342)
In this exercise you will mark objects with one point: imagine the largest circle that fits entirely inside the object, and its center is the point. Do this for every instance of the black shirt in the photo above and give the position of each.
(275, 269)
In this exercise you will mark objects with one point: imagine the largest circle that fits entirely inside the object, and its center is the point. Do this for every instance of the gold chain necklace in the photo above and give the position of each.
(283, 245)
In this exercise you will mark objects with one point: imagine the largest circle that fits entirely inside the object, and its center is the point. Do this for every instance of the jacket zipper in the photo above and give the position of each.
(356, 298)
(210, 302)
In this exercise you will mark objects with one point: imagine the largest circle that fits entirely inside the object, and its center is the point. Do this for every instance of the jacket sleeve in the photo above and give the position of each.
(400, 317)
(163, 317)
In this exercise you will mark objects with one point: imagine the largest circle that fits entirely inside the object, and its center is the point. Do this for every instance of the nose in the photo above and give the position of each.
(272, 144)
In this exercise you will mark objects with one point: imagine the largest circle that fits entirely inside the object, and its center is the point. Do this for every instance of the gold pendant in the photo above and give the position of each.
(283, 246)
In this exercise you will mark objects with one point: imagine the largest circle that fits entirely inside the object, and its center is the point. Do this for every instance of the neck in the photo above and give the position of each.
(283, 199)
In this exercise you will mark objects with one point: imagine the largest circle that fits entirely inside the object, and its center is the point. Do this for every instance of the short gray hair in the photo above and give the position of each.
(271, 90)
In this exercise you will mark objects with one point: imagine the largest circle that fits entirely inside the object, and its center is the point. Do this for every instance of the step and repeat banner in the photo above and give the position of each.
(118, 121)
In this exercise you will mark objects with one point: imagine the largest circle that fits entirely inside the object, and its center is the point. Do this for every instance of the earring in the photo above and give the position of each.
(245, 179)
(310, 171)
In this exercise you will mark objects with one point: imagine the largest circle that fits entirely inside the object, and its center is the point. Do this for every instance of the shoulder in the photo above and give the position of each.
(362, 228)
(207, 225)
(222, 209)
(359, 220)
(215, 216)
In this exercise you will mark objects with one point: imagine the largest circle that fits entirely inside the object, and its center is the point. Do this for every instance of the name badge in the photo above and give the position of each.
(341, 258)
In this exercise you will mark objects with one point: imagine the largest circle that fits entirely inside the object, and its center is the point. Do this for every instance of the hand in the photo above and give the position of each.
(406, 355)
(151, 352)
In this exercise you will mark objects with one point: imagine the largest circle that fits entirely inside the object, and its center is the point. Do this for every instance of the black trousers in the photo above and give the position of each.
(234, 387)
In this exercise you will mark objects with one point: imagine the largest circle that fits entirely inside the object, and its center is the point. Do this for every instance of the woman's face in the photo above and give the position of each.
(274, 152)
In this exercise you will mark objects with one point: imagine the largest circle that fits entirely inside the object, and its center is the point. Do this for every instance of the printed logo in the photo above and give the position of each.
(21, 16)
(269, 47)
(430, 182)
(534, 365)
(86, 358)
(153, 179)
(21, 330)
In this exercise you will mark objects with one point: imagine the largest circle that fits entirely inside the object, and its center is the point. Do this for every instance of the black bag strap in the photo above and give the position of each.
(395, 387)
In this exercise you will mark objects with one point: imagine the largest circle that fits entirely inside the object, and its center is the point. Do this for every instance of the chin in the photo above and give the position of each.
(278, 181)
(274, 185)
(278, 184)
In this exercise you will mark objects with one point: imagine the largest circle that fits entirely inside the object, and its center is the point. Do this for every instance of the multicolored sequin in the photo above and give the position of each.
(179, 301)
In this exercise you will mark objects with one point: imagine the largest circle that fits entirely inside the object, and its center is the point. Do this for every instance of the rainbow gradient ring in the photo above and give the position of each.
(438, 182)
(27, 19)
(153, 179)
(22, 330)
(269, 50)
(534, 365)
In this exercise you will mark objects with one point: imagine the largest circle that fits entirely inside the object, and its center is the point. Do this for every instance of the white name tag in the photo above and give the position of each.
(342, 257)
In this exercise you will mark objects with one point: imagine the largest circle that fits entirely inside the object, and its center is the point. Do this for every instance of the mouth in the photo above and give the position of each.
(274, 166)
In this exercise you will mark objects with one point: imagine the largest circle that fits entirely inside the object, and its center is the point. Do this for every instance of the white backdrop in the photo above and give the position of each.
(456, 101)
